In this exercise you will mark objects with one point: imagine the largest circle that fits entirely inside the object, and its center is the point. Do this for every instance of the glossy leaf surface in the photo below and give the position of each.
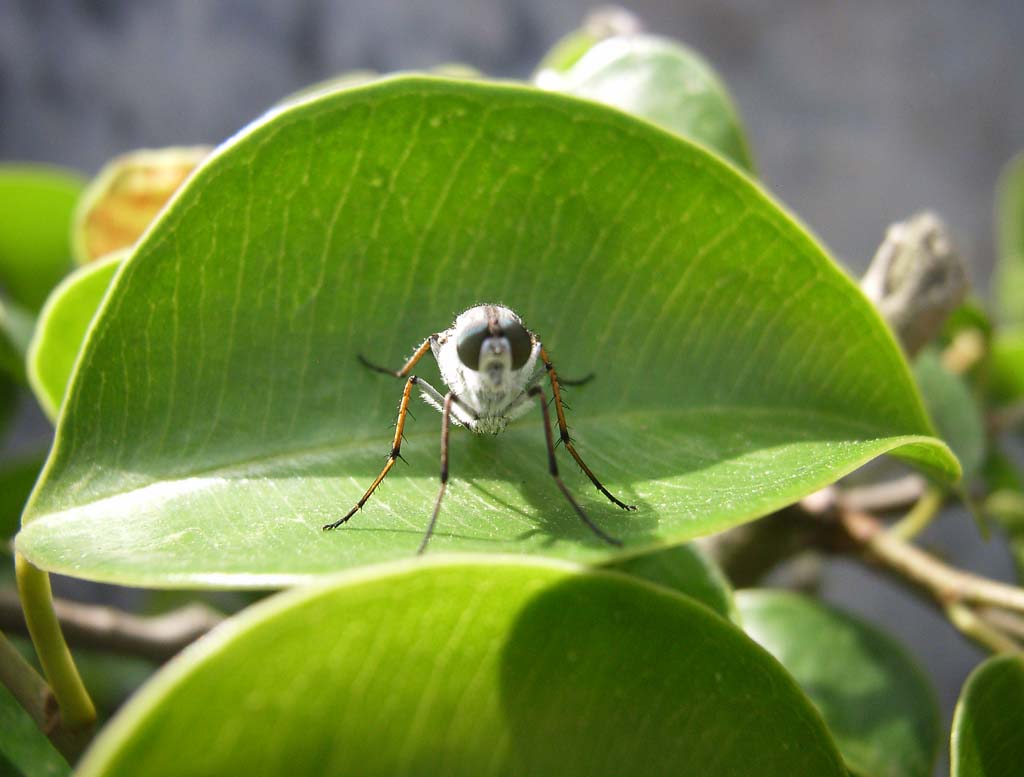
(877, 703)
(219, 416)
(988, 727)
(477, 666)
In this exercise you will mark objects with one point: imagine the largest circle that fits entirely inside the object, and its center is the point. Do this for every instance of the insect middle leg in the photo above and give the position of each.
(396, 451)
(446, 417)
(537, 392)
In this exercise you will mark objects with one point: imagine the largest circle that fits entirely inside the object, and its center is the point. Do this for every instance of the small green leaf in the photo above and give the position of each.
(219, 416)
(1006, 367)
(36, 203)
(24, 749)
(1009, 276)
(687, 569)
(969, 315)
(656, 79)
(953, 409)
(60, 333)
(876, 701)
(472, 666)
(1001, 472)
(988, 726)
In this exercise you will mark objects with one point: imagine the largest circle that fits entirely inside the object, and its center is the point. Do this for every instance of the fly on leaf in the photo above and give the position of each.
(492, 366)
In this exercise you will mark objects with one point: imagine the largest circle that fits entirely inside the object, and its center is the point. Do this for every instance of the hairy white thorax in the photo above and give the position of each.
(489, 360)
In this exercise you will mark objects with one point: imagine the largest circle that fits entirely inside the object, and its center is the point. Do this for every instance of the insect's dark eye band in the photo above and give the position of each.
(469, 344)
(519, 342)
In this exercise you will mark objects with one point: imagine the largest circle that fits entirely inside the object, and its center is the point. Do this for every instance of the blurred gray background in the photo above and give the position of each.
(859, 114)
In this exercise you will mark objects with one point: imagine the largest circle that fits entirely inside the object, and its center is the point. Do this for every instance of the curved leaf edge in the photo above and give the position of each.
(603, 555)
(220, 638)
(44, 325)
(746, 163)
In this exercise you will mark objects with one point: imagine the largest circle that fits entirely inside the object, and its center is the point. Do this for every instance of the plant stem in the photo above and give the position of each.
(884, 496)
(920, 515)
(1006, 622)
(975, 627)
(77, 712)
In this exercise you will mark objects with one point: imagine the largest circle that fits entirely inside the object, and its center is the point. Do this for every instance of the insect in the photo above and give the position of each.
(492, 366)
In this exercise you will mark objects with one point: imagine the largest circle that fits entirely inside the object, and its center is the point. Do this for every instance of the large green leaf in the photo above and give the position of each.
(219, 416)
(988, 727)
(953, 408)
(24, 749)
(1009, 277)
(480, 666)
(60, 333)
(655, 78)
(36, 203)
(876, 701)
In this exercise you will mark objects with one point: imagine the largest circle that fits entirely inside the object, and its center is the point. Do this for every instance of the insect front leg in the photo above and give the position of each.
(396, 450)
(563, 429)
(407, 367)
(538, 392)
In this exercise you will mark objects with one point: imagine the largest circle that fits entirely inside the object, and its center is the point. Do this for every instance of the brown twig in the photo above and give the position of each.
(156, 638)
(977, 606)
(946, 583)
(885, 496)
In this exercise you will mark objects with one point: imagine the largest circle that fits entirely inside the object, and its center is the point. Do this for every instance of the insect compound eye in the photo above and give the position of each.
(469, 344)
(518, 340)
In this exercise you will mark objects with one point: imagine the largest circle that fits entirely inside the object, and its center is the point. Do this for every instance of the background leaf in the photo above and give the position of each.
(988, 727)
(482, 666)
(63, 323)
(876, 701)
(953, 409)
(655, 78)
(686, 569)
(36, 203)
(219, 416)
(125, 197)
(24, 749)
(1009, 278)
